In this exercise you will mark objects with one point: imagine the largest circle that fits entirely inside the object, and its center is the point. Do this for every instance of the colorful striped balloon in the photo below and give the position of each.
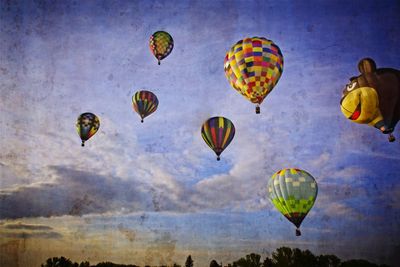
(218, 132)
(253, 67)
(87, 125)
(144, 103)
(293, 193)
(161, 45)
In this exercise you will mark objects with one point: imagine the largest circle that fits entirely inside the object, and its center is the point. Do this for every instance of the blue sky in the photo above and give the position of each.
(155, 188)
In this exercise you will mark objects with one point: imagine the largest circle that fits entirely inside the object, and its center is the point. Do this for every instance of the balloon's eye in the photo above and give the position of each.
(351, 86)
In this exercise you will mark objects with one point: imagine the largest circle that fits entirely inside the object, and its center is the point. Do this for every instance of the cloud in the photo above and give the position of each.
(23, 230)
(128, 233)
(22, 226)
(350, 172)
(329, 191)
(395, 197)
(243, 186)
(25, 235)
(321, 160)
(162, 249)
(341, 209)
(78, 192)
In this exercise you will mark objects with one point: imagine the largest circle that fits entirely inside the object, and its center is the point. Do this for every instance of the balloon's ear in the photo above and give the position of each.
(366, 65)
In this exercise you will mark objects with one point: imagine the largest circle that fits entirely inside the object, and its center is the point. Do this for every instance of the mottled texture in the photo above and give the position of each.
(153, 193)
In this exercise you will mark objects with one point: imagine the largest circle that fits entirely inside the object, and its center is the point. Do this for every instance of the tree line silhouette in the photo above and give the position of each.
(282, 257)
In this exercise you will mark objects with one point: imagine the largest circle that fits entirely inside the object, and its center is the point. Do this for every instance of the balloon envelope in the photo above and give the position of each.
(293, 193)
(161, 45)
(218, 132)
(253, 66)
(87, 125)
(144, 103)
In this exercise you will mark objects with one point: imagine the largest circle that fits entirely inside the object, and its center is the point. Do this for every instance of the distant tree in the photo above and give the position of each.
(297, 257)
(328, 261)
(304, 258)
(59, 262)
(214, 263)
(254, 260)
(358, 263)
(110, 264)
(84, 264)
(189, 261)
(104, 264)
(283, 257)
(251, 260)
(268, 263)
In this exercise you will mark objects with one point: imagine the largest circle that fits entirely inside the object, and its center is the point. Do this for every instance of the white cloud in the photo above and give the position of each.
(340, 209)
(321, 161)
(351, 173)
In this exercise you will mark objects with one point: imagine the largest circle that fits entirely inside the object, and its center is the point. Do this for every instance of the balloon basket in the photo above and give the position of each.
(257, 109)
(391, 138)
(298, 233)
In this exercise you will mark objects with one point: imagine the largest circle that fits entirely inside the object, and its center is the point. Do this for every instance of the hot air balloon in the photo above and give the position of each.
(161, 45)
(218, 132)
(144, 103)
(293, 193)
(253, 67)
(87, 125)
(373, 97)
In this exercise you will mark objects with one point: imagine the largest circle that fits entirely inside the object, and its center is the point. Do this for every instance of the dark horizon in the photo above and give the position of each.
(281, 257)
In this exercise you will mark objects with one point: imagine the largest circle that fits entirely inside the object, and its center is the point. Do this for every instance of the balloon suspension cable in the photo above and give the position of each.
(218, 158)
(83, 143)
(391, 138)
(258, 109)
(298, 233)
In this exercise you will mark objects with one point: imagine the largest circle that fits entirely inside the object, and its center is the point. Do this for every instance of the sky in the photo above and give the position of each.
(153, 193)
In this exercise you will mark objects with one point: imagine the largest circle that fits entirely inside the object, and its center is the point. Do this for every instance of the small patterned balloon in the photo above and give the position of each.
(87, 125)
(161, 45)
(218, 133)
(144, 103)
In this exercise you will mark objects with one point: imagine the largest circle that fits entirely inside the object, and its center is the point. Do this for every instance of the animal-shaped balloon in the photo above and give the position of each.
(293, 193)
(144, 103)
(218, 133)
(161, 45)
(253, 67)
(373, 97)
(87, 125)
